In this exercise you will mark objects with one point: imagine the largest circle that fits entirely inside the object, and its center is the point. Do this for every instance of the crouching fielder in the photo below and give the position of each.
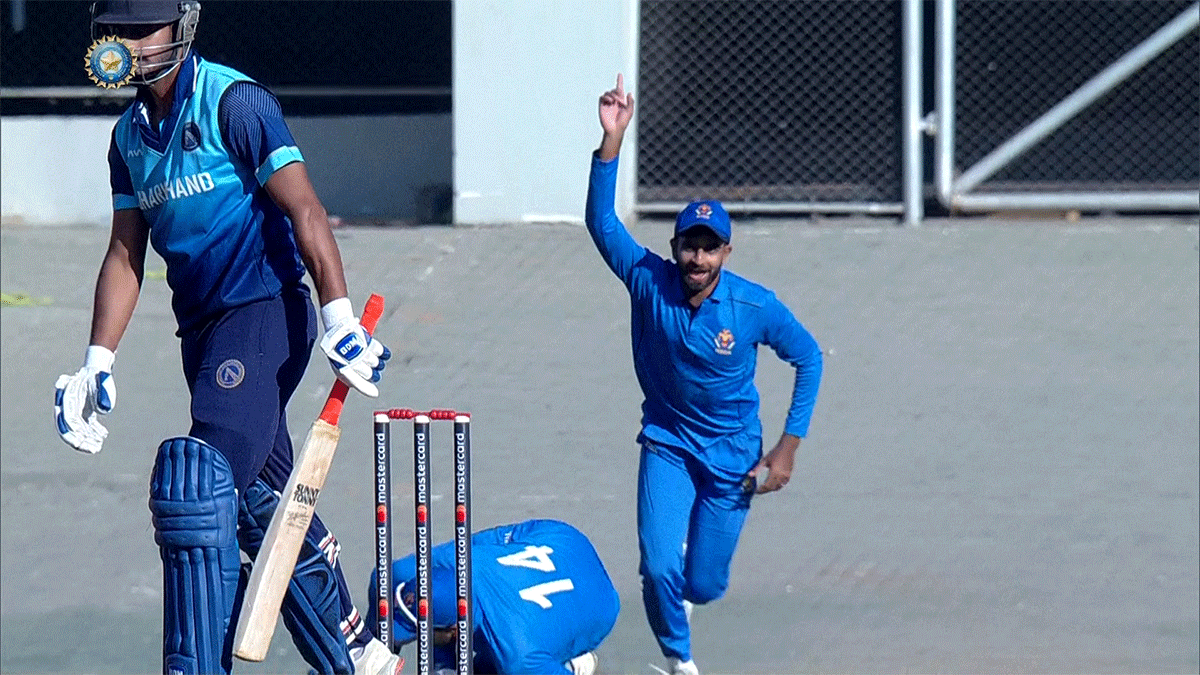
(203, 167)
(543, 601)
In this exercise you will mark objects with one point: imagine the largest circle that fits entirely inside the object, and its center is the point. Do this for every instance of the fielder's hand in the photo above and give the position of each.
(616, 108)
(778, 463)
(357, 358)
(80, 399)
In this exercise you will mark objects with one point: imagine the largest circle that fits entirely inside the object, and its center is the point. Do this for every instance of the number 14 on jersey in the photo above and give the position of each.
(537, 558)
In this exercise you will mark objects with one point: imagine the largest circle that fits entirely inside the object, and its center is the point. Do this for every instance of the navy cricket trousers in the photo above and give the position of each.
(242, 369)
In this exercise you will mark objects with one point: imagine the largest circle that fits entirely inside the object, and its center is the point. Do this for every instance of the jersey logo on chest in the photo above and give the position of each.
(724, 342)
(189, 136)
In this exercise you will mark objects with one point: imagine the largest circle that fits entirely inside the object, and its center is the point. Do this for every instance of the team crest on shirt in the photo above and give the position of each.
(189, 136)
(110, 63)
(724, 342)
(230, 374)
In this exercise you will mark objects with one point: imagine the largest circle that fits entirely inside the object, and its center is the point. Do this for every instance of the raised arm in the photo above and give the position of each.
(616, 111)
(618, 248)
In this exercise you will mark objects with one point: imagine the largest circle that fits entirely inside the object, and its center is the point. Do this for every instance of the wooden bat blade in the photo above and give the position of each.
(276, 561)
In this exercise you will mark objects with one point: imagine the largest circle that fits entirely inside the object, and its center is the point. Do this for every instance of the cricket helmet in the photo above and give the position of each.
(182, 15)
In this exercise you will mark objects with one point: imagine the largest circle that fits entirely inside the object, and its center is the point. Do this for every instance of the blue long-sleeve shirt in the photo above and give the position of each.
(696, 366)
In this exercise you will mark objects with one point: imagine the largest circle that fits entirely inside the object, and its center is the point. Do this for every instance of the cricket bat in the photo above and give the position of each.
(276, 561)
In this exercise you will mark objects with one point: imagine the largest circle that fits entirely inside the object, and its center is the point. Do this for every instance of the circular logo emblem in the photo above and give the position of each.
(189, 137)
(230, 374)
(110, 63)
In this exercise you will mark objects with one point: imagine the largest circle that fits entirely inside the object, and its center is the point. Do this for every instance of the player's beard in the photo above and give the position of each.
(697, 278)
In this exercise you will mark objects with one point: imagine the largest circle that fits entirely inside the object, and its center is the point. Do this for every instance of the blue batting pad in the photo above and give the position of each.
(193, 506)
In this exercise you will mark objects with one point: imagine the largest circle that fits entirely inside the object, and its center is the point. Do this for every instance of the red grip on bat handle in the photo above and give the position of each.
(333, 405)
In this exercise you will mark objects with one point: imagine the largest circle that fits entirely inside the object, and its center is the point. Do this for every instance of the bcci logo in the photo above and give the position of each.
(704, 211)
(110, 63)
(724, 342)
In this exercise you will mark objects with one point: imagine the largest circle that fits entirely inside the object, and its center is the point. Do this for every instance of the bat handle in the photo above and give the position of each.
(333, 405)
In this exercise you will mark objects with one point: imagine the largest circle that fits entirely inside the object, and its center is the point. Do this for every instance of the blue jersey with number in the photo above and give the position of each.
(541, 596)
(198, 180)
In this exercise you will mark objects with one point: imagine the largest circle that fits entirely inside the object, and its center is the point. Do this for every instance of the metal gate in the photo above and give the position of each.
(819, 106)
(1079, 104)
(770, 105)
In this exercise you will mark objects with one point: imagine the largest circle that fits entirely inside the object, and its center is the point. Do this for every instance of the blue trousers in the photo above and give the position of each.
(680, 500)
(242, 369)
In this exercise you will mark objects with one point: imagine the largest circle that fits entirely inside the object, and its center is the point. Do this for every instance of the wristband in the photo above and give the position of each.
(100, 358)
(336, 310)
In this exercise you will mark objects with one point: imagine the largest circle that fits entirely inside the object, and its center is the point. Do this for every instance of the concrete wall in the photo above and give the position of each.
(378, 167)
(527, 77)
(54, 170)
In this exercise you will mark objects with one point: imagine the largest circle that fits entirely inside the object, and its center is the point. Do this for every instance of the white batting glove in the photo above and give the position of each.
(80, 399)
(356, 358)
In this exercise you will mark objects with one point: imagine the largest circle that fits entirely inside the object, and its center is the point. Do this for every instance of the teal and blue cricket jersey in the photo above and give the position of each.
(198, 182)
(696, 366)
(541, 597)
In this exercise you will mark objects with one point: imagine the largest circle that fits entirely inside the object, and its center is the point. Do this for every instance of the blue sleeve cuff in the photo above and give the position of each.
(278, 159)
(804, 394)
(124, 202)
(797, 430)
(605, 172)
(602, 188)
(604, 162)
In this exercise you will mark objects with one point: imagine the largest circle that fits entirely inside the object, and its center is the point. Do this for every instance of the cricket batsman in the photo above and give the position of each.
(204, 169)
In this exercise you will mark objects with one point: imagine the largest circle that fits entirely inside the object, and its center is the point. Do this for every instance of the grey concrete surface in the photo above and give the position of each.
(1001, 474)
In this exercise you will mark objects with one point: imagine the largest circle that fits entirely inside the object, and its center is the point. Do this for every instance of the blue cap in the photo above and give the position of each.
(707, 213)
(138, 12)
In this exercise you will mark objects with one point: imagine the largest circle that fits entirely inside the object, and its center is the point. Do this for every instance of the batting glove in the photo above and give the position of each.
(80, 400)
(356, 358)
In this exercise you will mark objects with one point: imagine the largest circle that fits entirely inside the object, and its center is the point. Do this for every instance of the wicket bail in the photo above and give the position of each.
(385, 585)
